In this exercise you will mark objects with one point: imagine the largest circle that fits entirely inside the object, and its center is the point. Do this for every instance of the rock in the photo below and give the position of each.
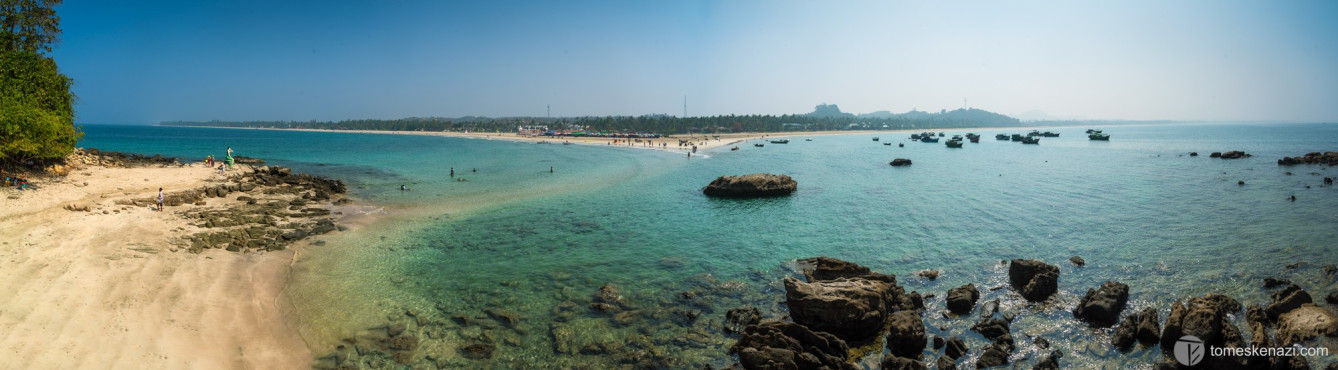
(993, 355)
(900, 162)
(784, 345)
(1049, 362)
(754, 185)
(478, 351)
(1327, 158)
(1078, 261)
(907, 335)
(1034, 279)
(1125, 333)
(1149, 327)
(1332, 298)
(1306, 322)
(503, 316)
(1215, 155)
(1233, 154)
(609, 297)
(827, 268)
(1270, 282)
(955, 349)
(989, 308)
(962, 299)
(1285, 300)
(938, 342)
(738, 319)
(945, 363)
(1221, 302)
(1193, 154)
(851, 309)
(928, 274)
(991, 328)
(1330, 270)
(891, 362)
(404, 343)
(1101, 307)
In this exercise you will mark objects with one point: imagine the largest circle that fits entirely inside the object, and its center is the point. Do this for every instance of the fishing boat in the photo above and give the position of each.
(875, 138)
(1098, 135)
(781, 141)
(974, 139)
(808, 139)
(901, 145)
(734, 148)
(1017, 137)
(954, 143)
(1031, 140)
(1050, 134)
(928, 139)
(1090, 130)
(759, 145)
(915, 136)
(940, 134)
(1001, 137)
(888, 144)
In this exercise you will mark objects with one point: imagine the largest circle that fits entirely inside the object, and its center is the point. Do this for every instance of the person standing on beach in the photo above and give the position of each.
(160, 199)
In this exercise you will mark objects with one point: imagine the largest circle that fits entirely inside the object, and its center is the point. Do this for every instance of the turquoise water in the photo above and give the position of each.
(1137, 208)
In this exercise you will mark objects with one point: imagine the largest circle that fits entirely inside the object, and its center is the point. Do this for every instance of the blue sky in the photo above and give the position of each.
(150, 61)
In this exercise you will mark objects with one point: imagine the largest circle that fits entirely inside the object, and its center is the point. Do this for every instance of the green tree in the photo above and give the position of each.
(36, 106)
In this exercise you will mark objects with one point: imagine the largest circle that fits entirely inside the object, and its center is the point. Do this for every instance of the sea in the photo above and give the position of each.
(510, 250)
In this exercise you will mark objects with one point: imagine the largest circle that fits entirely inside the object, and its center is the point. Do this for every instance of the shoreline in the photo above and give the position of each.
(107, 281)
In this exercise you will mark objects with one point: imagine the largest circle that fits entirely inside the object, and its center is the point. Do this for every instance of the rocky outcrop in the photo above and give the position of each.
(1235, 154)
(853, 309)
(738, 319)
(1326, 158)
(1205, 318)
(1271, 282)
(900, 162)
(907, 335)
(1285, 300)
(1142, 327)
(827, 268)
(1306, 322)
(750, 186)
(962, 299)
(1102, 306)
(782, 345)
(1034, 279)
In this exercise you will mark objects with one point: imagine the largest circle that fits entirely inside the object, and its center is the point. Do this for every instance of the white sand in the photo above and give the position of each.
(92, 290)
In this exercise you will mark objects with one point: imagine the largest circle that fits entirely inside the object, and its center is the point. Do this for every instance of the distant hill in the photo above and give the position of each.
(828, 111)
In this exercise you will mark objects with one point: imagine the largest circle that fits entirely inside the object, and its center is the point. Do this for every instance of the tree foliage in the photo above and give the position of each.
(36, 106)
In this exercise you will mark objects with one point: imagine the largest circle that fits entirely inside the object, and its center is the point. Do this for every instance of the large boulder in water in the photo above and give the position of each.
(852, 309)
(1102, 306)
(1034, 279)
(906, 338)
(754, 185)
(962, 299)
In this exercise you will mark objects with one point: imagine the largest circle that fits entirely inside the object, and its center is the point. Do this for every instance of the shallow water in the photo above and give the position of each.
(515, 237)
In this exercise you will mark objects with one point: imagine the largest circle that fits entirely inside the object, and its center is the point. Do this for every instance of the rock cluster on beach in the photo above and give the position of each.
(749, 186)
(275, 208)
(1326, 158)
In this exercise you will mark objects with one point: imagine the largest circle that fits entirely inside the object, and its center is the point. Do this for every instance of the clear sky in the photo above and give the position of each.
(150, 61)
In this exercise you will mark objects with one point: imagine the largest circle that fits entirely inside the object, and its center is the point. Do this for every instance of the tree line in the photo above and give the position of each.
(662, 124)
(36, 105)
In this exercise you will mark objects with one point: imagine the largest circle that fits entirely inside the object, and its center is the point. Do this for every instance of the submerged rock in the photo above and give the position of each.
(962, 299)
(1078, 261)
(900, 162)
(891, 362)
(1102, 306)
(739, 319)
(1034, 279)
(754, 185)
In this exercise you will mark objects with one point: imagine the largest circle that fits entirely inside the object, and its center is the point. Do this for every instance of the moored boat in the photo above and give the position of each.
(1017, 137)
(974, 139)
(734, 148)
(928, 139)
(875, 138)
(1031, 140)
(782, 141)
(954, 143)
(889, 144)
(759, 145)
(1098, 135)
(901, 145)
(1001, 137)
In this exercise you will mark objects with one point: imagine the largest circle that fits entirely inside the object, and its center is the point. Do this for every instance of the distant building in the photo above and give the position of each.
(530, 130)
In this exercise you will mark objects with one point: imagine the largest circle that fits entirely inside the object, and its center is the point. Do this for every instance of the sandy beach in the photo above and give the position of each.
(113, 286)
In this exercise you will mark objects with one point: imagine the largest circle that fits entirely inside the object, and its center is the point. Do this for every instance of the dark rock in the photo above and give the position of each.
(1149, 327)
(784, 345)
(851, 309)
(1034, 279)
(938, 342)
(1041, 342)
(1306, 322)
(1101, 307)
(1049, 362)
(1126, 333)
(907, 335)
(1215, 155)
(991, 328)
(1330, 270)
(1078, 261)
(1270, 282)
(945, 363)
(1285, 300)
(989, 308)
(503, 316)
(827, 268)
(1193, 154)
(754, 185)
(891, 362)
(993, 355)
(962, 299)
(900, 162)
(1332, 298)
(478, 351)
(404, 343)
(956, 348)
(608, 295)
(1234, 155)
(738, 319)
(1222, 303)
(928, 274)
